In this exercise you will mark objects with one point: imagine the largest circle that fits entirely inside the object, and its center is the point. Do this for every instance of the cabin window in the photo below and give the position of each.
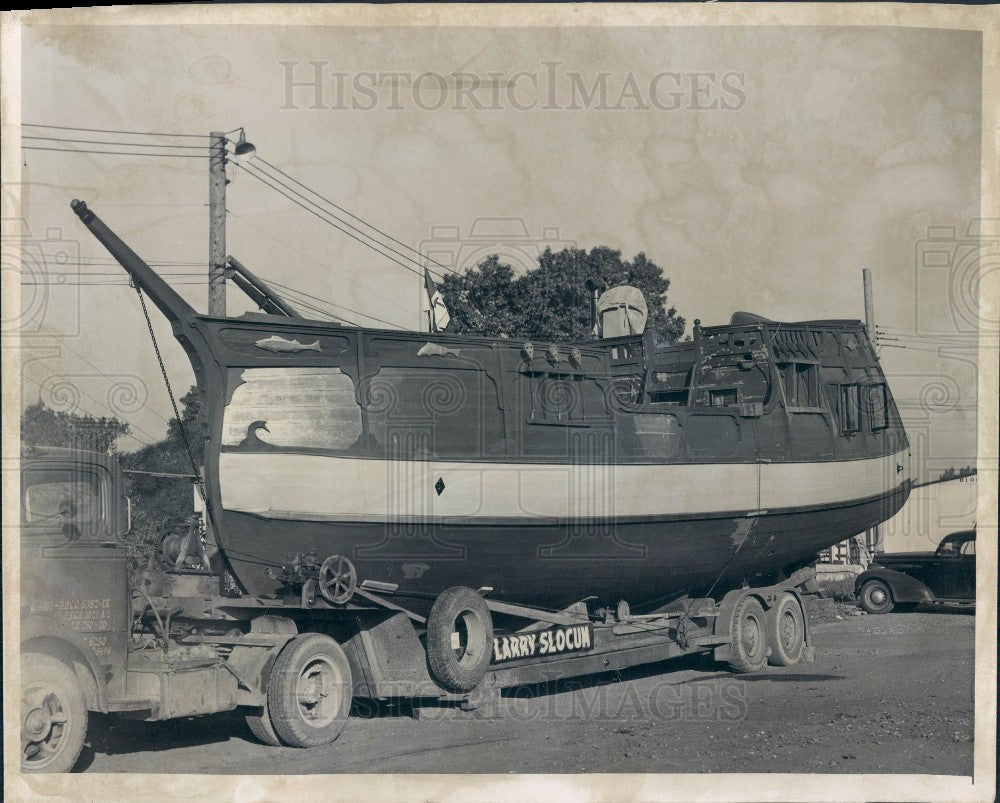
(59, 496)
(878, 407)
(722, 398)
(670, 387)
(294, 409)
(801, 383)
(850, 408)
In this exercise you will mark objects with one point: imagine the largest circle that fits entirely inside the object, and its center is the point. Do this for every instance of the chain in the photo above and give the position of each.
(173, 403)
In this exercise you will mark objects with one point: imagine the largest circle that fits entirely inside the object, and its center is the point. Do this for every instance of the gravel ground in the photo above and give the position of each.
(886, 693)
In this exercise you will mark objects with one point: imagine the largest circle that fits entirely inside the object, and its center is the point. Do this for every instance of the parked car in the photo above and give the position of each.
(904, 580)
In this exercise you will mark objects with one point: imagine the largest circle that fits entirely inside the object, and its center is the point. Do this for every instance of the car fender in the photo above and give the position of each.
(904, 587)
(46, 634)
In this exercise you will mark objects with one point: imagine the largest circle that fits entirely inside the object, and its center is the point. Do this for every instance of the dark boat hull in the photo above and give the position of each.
(551, 565)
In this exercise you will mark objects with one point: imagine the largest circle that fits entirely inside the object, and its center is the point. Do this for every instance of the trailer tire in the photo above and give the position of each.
(786, 631)
(53, 715)
(262, 728)
(459, 639)
(748, 636)
(309, 691)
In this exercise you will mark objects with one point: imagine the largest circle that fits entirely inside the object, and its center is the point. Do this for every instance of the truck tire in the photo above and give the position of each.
(786, 631)
(53, 715)
(748, 636)
(875, 597)
(309, 691)
(459, 639)
(261, 727)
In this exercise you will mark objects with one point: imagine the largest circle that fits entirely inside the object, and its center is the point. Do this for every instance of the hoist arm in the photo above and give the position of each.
(163, 295)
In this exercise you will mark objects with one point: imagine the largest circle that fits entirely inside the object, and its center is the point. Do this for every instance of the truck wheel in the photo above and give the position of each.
(786, 631)
(876, 597)
(261, 727)
(459, 639)
(748, 645)
(309, 691)
(53, 715)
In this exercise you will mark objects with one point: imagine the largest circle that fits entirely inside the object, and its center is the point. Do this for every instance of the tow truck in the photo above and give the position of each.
(170, 638)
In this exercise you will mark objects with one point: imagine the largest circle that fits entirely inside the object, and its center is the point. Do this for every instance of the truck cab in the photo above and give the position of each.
(75, 606)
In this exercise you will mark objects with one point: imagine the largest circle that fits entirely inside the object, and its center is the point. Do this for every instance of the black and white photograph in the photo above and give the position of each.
(481, 402)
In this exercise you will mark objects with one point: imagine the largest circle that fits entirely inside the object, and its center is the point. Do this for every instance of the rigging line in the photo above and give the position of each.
(330, 303)
(324, 313)
(73, 351)
(117, 142)
(263, 178)
(113, 131)
(100, 404)
(417, 251)
(916, 348)
(173, 403)
(116, 153)
(317, 262)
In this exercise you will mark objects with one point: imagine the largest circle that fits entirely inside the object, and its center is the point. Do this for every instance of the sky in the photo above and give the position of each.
(761, 167)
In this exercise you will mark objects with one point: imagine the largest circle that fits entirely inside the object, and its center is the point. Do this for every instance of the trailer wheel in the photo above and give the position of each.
(786, 631)
(459, 639)
(53, 715)
(748, 645)
(309, 691)
(876, 597)
(262, 728)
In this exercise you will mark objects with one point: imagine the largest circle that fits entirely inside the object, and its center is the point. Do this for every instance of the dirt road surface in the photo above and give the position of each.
(886, 693)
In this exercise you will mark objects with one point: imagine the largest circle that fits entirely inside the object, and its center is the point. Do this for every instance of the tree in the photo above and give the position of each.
(551, 302)
(159, 499)
(43, 426)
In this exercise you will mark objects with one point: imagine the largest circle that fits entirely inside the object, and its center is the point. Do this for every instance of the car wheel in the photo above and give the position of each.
(876, 597)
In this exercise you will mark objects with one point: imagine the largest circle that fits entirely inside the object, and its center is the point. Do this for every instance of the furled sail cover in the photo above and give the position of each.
(622, 311)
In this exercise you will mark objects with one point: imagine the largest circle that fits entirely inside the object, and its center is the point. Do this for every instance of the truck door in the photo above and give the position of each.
(73, 563)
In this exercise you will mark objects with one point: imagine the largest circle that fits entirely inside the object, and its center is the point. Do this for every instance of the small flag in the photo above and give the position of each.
(439, 316)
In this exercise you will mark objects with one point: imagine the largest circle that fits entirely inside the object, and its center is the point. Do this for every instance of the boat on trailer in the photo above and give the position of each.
(545, 472)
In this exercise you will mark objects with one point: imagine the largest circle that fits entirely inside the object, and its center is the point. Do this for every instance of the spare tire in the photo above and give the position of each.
(459, 639)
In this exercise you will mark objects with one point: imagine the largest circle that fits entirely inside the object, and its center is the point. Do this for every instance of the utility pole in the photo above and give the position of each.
(866, 277)
(217, 225)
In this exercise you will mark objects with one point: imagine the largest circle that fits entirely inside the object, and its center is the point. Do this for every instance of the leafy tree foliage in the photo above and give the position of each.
(43, 426)
(157, 501)
(551, 302)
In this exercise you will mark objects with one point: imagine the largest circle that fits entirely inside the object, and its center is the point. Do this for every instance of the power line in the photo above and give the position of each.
(104, 406)
(317, 262)
(419, 253)
(116, 142)
(116, 153)
(73, 351)
(265, 179)
(112, 131)
(330, 303)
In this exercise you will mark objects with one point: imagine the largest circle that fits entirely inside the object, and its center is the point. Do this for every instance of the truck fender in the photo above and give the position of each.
(45, 634)
(904, 588)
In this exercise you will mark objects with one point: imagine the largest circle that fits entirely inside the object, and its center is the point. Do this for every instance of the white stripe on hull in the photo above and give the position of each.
(350, 489)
